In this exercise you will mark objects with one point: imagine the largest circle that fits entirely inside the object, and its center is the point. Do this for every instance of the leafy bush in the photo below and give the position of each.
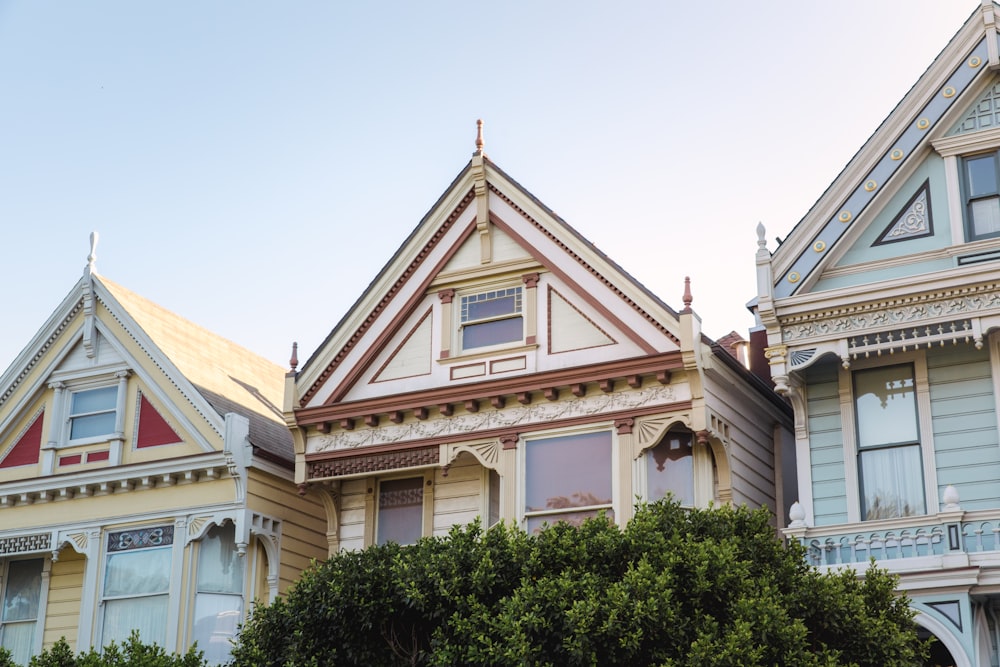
(675, 588)
(130, 653)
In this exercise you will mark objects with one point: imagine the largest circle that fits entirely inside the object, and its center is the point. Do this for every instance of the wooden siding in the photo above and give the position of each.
(352, 514)
(303, 523)
(826, 445)
(62, 609)
(460, 497)
(963, 414)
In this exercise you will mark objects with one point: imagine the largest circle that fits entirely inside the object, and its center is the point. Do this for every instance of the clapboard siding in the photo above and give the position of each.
(352, 514)
(460, 497)
(964, 423)
(826, 445)
(62, 613)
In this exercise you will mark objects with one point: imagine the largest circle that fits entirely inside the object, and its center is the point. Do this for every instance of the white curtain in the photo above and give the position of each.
(135, 595)
(20, 607)
(218, 606)
(893, 482)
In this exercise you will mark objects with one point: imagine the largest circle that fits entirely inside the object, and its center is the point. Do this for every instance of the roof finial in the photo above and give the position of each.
(92, 257)
(687, 293)
(294, 361)
(480, 143)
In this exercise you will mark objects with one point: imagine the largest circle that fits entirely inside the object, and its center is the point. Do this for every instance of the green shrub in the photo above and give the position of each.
(130, 653)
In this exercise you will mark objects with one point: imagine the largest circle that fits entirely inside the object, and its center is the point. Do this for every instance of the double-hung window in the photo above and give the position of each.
(93, 412)
(136, 585)
(491, 318)
(888, 437)
(22, 585)
(568, 478)
(400, 516)
(981, 183)
(670, 468)
(218, 604)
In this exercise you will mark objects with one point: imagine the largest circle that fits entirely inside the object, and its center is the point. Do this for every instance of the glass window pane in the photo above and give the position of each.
(491, 304)
(148, 615)
(568, 471)
(535, 523)
(141, 572)
(400, 510)
(982, 175)
(886, 406)
(892, 482)
(985, 216)
(669, 468)
(92, 425)
(24, 584)
(220, 568)
(94, 400)
(216, 619)
(492, 333)
(19, 638)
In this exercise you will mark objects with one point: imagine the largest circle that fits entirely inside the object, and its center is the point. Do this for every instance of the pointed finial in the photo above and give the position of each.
(294, 361)
(761, 232)
(480, 143)
(687, 292)
(92, 257)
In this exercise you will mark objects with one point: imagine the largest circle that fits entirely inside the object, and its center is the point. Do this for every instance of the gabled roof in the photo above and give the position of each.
(888, 155)
(225, 376)
(414, 266)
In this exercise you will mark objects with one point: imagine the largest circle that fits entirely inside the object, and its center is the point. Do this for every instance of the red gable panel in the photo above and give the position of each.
(153, 428)
(25, 450)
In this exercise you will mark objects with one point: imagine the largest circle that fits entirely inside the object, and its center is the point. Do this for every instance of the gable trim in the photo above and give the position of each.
(907, 212)
(386, 298)
(552, 290)
(402, 344)
(649, 349)
(40, 352)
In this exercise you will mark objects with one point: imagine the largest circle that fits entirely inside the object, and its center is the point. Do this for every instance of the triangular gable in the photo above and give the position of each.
(152, 430)
(26, 447)
(413, 356)
(570, 329)
(486, 230)
(891, 155)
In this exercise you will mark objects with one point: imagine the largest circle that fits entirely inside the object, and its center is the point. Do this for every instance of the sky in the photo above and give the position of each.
(252, 165)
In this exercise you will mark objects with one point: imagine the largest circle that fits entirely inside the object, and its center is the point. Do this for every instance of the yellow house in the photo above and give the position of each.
(145, 481)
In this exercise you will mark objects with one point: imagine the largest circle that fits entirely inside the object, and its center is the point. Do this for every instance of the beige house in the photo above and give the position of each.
(500, 366)
(145, 481)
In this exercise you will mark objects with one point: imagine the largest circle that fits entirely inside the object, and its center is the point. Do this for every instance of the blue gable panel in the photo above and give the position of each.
(879, 175)
(963, 414)
(826, 445)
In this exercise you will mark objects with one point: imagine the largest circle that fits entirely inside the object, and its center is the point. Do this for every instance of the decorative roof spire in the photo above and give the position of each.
(294, 361)
(480, 143)
(92, 257)
(687, 293)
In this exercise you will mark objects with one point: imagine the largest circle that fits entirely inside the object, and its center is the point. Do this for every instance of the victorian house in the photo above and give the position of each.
(145, 481)
(881, 312)
(501, 367)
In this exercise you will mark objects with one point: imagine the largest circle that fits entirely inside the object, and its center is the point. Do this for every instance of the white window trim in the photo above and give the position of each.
(59, 434)
(457, 340)
(616, 470)
(953, 150)
(924, 424)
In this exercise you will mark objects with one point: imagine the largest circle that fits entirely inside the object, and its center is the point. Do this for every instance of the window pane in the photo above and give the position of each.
(982, 175)
(148, 615)
(19, 638)
(401, 510)
(220, 568)
(492, 333)
(491, 304)
(24, 583)
(985, 216)
(669, 468)
(535, 523)
(94, 400)
(892, 482)
(568, 471)
(92, 425)
(138, 572)
(886, 406)
(216, 619)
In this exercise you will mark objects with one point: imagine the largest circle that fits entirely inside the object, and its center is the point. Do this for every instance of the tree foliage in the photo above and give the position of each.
(130, 653)
(674, 588)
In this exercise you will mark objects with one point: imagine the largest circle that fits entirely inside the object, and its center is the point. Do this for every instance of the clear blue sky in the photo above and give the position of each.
(252, 165)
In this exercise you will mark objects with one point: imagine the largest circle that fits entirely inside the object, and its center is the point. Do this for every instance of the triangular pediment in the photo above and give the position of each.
(898, 210)
(490, 285)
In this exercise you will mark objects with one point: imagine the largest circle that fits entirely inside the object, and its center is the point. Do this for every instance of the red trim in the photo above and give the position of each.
(72, 459)
(153, 429)
(26, 450)
(103, 455)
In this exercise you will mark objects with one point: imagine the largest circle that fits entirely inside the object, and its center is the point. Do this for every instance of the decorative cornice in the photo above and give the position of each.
(518, 416)
(56, 333)
(369, 463)
(923, 309)
(21, 544)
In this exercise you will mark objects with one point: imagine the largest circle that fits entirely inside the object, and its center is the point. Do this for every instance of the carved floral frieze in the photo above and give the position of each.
(521, 415)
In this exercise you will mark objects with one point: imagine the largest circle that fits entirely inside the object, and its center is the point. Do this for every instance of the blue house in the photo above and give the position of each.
(881, 311)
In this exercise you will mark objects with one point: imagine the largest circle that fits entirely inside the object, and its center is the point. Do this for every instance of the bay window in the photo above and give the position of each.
(670, 468)
(567, 478)
(218, 605)
(888, 438)
(136, 585)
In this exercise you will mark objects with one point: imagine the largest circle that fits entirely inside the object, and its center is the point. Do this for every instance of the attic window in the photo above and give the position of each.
(491, 318)
(93, 412)
(981, 184)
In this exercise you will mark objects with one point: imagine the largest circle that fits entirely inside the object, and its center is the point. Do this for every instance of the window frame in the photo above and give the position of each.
(968, 199)
(461, 297)
(849, 433)
(373, 485)
(39, 624)
(647, 457)
(196, 586)
(613, 510)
